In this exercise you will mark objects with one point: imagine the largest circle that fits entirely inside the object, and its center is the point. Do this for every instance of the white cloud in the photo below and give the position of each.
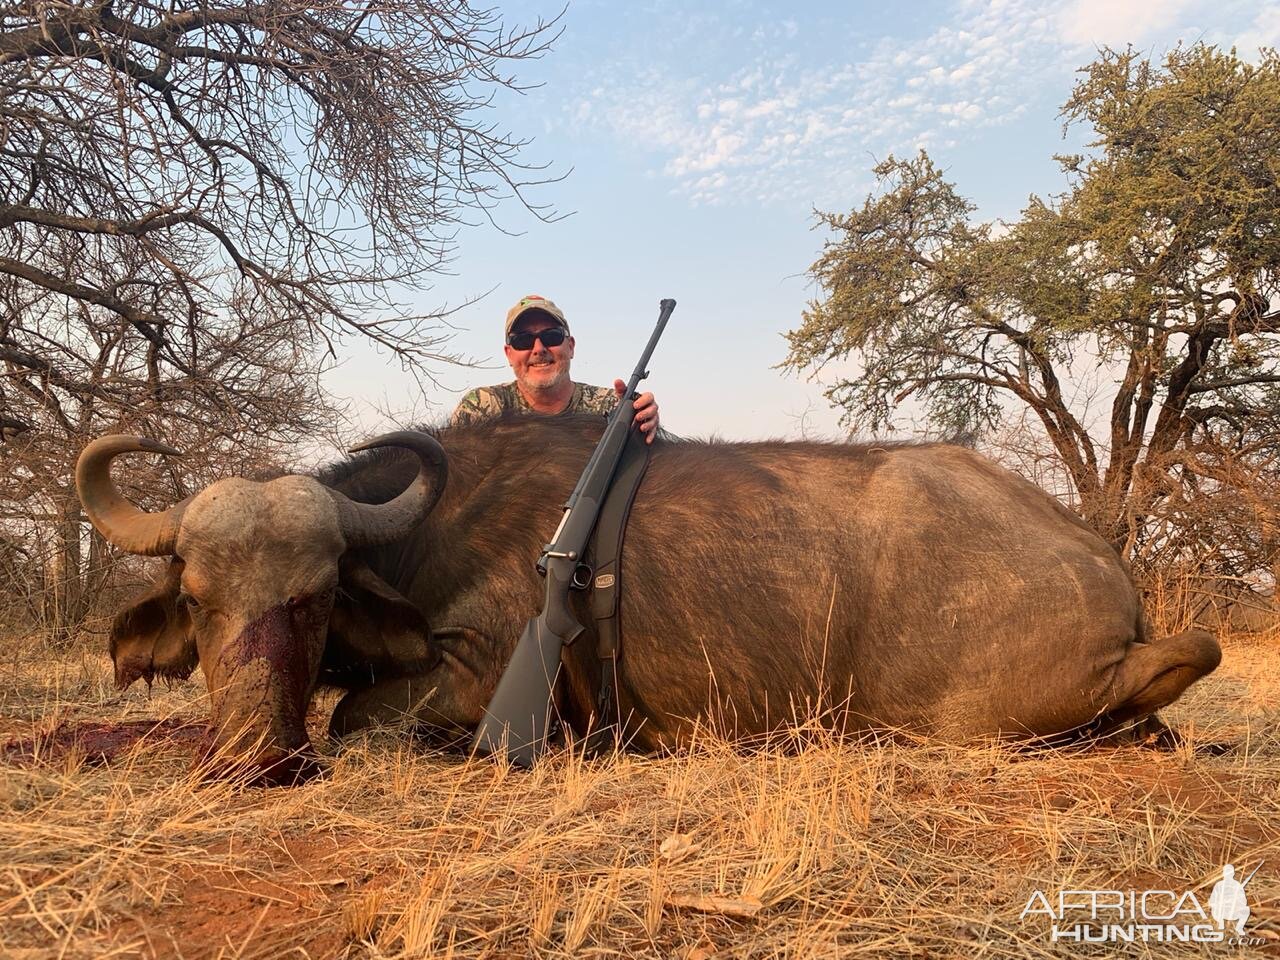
(1263, 32)
(1117, 22)
(764, 108)
(780, 126)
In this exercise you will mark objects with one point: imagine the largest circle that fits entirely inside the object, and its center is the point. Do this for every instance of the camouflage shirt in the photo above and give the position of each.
(489, 403)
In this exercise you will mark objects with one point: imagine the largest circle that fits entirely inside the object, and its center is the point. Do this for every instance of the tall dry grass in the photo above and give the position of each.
(835, 850)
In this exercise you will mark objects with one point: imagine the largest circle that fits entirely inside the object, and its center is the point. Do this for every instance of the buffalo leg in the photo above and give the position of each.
(446, 701)
(1149, 731)
(1155, 674)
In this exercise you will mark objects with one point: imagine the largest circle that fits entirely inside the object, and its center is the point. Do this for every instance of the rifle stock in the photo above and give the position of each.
(524, 696)
(518, 719)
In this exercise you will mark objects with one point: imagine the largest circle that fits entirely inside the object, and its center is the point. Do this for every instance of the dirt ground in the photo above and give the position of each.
(880, 849)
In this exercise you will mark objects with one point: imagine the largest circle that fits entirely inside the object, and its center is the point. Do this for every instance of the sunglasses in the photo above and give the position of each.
(524, 340)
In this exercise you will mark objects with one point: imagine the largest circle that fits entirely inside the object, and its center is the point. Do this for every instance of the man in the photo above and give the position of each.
(1227, 902)
(539, 349)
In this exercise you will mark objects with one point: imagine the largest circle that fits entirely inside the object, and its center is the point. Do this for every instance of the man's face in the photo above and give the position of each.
(540, 367)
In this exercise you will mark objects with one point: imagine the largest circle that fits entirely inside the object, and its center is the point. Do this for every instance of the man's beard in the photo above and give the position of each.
(544, 376)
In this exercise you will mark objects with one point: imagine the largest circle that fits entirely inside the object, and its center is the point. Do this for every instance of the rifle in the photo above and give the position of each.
(518, 717)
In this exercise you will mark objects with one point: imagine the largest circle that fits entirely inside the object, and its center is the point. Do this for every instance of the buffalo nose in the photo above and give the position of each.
(286, 770)
(269, 767)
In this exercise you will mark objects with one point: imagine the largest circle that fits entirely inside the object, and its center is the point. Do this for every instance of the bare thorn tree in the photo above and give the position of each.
(163, 160)
(197, 198)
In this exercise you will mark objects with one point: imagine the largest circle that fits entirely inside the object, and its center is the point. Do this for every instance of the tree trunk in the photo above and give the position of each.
(1270, 536)
(64, 603)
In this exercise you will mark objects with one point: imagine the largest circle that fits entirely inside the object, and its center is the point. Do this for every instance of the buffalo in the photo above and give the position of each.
(916, 586)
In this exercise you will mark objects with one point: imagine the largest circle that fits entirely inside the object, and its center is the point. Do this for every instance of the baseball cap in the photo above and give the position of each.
(535, 302)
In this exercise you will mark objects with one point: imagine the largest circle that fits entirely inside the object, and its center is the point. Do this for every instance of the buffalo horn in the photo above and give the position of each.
(123, 524)
(369, 524)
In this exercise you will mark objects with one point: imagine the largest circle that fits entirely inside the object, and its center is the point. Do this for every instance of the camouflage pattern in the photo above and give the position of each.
(489, 403)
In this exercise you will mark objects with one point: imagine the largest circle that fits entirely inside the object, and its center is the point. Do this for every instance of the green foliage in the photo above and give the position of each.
(1161, 257)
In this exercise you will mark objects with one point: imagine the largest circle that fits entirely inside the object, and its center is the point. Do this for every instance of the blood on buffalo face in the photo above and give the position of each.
(260, 569)
(248, 594)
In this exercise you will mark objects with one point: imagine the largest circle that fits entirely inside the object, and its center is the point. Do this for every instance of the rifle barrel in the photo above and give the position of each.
(624, 410)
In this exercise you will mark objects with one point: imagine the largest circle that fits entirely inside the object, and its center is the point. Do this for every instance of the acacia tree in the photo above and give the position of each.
(1160, 262)
(163, 161)
(198, 196)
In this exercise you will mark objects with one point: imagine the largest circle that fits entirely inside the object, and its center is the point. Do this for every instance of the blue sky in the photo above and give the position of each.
(698, 138)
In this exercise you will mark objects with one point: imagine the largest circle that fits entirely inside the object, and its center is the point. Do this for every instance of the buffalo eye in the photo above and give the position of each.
(188, 600)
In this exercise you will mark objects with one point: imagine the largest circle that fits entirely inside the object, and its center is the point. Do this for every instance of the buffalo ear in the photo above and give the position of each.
(374, 631)
(154, 635)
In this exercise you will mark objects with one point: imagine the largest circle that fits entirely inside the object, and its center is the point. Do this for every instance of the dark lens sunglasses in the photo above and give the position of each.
(524, 340)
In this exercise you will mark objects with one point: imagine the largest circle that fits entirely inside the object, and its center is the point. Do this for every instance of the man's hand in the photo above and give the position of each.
(646, 411)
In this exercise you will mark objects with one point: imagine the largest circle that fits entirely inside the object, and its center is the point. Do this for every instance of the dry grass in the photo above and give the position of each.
(840, 850)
